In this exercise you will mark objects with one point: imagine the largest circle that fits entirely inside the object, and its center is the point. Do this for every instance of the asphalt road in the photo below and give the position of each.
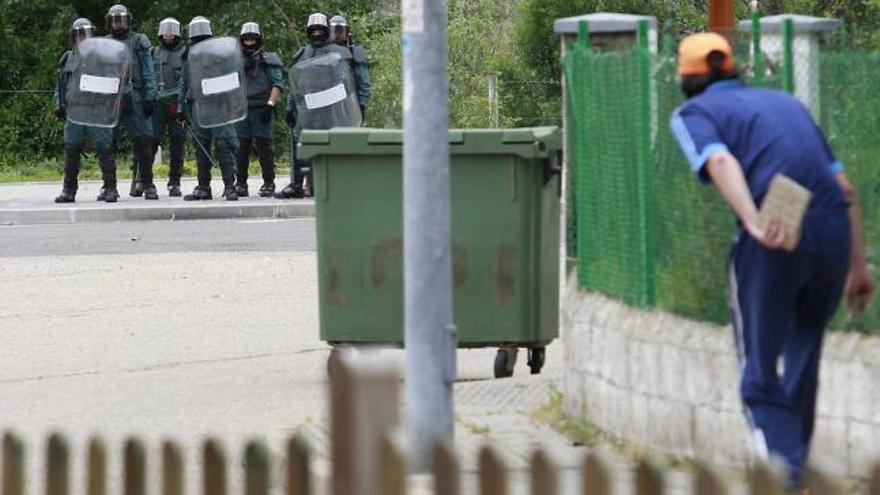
(292, 235)
(193, 329)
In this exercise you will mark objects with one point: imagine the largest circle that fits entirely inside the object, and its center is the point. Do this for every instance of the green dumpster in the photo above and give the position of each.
(505, 186)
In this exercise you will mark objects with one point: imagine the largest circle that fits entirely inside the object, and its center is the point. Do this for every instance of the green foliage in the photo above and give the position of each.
(513, 39)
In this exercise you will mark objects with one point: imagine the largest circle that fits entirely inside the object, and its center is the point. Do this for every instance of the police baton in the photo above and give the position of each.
(199, 143)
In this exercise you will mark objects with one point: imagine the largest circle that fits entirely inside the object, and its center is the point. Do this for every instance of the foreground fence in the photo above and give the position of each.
(367, 459)
(390, 478)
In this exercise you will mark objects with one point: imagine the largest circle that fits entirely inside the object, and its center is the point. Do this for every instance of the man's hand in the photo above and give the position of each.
(771, 237)
(181, 117)
(859, 287)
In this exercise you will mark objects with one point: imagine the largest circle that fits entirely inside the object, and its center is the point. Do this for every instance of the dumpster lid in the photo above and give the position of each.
(526, 142)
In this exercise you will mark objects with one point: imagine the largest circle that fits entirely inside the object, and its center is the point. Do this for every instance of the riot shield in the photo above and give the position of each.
(324, 92)
(216, 78)
(94, 90)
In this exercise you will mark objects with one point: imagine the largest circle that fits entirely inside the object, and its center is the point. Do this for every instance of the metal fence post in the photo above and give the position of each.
(757, 54)
(645, 172)
(788, 55)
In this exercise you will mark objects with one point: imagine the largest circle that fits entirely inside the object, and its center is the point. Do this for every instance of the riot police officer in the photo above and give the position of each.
(341, 34)
(168, 63)
(74, 133)
(265, 83)
(211, 116)
(322, 93)
(138, 99)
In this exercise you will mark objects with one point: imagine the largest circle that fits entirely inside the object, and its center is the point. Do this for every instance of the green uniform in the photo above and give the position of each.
(263, 72)
(168, 64)
(223, 137)
(358, 59)
(75, 134)
(139, 88)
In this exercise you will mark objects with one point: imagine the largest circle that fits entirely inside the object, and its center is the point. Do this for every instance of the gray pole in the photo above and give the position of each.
(429, 332)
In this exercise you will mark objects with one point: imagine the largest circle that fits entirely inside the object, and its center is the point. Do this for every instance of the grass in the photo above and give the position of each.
(583, 432)
(477, 429)
(51, 170)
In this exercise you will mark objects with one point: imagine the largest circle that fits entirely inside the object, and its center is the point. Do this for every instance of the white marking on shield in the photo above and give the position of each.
(99, 85)
(222, 84)
(326, 98)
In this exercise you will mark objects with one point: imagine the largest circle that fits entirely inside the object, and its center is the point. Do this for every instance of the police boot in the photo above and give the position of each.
(72, 163)
(267, 165)
(175, 167)
(242, 166)
(66, 196)
(199, 193)
(107, 161)
(292, 191)
(137, 188)
(144, 152)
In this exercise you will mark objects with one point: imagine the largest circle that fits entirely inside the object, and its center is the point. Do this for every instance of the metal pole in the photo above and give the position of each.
(429, 333)
(721, 16)
(494, 113)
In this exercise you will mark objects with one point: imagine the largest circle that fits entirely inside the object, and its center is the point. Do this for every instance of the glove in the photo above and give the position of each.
(171, 107)
(149, 107)
(60, 112)
(181, 117)
(266, 114)
(290, 118)
(363, 112)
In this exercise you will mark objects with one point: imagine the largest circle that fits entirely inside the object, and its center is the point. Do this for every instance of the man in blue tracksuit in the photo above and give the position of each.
(739, 138)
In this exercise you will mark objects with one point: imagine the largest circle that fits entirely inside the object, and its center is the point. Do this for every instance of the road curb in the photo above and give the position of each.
(124, 213)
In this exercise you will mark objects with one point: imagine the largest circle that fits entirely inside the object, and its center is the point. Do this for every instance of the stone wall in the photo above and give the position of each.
(670, 384)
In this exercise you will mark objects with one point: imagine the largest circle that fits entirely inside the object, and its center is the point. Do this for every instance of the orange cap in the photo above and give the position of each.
(693, 53)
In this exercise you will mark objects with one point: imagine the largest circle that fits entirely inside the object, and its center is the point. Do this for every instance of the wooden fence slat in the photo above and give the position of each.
(706, 482)
(135, 458)
(649, 481)
(172, 469)
(363, 410)
(13, 465)
(596, 478)
(445, 470)
(819, 484)
(392, 469)
(256, 469)
(545, 480)
(58, 461)
(299, 475)
(214, 469)
(493, 476)
(97, 468)
(874, 489)
(764, 481)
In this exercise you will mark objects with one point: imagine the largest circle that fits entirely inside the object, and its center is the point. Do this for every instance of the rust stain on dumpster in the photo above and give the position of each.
(505, 276)
(386, 260)
(335, 269)
(386, 256)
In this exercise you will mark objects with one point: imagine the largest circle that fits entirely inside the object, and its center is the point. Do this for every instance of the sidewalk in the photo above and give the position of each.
(33, 203)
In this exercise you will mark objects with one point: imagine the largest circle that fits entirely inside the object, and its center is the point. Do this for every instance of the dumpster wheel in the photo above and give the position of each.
(537, 356)
(505, 361)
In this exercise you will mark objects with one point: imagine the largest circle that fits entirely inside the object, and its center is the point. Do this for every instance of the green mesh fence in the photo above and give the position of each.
(645, 230)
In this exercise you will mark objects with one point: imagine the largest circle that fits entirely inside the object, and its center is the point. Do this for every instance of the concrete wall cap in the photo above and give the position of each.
(802, 24)
(603, 22)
